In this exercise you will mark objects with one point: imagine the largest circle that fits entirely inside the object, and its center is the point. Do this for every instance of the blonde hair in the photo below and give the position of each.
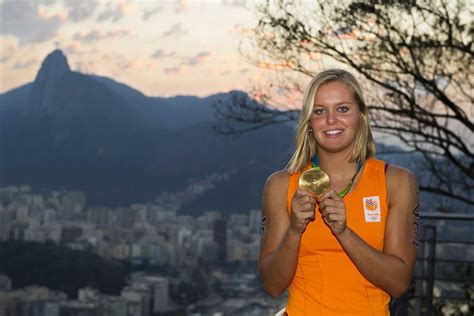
(364, 146)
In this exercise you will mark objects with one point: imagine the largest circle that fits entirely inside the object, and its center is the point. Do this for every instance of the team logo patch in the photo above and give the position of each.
(372, 208)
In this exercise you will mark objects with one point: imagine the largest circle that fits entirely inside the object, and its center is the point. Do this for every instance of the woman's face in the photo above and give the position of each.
(335, 117)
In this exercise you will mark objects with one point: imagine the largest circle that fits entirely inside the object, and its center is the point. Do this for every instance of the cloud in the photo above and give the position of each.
(96, 35)
(233, 3)
(115, 11)
(195, 60)
(160, 53)
(24, 20)
(180, 6)
(239, 29)
(80, 10)
(9, 47)
(198, 58)
(174, 70)
(76, 48)
(26, 64)
(175, 30)
(149, 13)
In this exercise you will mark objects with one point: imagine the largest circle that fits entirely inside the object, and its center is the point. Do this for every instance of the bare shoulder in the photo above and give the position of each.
(401, 183)
(277, 182)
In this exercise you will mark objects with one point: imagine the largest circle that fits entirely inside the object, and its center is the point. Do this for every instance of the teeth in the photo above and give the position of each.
(334, 132)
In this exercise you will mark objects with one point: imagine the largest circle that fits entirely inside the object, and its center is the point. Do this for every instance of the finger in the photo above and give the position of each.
(307, 199)
(335, 207)
(334, 195)
(326, 221)
(307, 217)
(332, 218)
(325, 194)
(302, 192)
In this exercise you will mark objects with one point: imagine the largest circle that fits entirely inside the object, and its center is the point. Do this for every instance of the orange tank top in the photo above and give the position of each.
(326, 281)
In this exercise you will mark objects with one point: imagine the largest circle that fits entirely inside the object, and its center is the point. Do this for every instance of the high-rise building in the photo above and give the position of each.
(51, 309)
(125, 217)
(220, 238)
(98, 215)
(159, 288)
(5, 223)
(255, 220)
(72, 204)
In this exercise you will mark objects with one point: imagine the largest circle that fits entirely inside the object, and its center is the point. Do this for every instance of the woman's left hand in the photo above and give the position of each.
(334, 211)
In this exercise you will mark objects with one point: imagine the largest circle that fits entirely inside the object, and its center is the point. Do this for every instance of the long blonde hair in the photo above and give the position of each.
(306, 144)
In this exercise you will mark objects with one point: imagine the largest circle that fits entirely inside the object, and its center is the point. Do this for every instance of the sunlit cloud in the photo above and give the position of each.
(25, 20)
(96, 35)
(174, 70)
(76, 48)
(181, 6)
(239, 29)
(26, 64)
(80, 10)
(160, 53)
(175, 30)
(233, 3)
(197, 59)
(164, 43)
(273, 66)
(192, 61)
(8, 48)
(115, 11)
(149, 13)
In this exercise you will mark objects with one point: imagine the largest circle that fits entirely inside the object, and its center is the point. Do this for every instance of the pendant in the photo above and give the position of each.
(314, 180)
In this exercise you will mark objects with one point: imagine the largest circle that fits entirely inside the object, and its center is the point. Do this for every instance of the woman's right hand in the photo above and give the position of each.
(302, 210)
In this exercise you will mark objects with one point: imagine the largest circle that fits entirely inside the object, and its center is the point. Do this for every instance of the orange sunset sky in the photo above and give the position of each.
(162, 48)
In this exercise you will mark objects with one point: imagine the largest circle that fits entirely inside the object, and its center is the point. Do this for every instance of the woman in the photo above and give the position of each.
(347, 251)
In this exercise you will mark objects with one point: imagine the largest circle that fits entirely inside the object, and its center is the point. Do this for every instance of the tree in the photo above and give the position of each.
(414, 59)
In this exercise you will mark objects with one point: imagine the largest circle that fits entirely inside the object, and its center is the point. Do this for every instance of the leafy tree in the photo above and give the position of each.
(414, 58)
(60, 268)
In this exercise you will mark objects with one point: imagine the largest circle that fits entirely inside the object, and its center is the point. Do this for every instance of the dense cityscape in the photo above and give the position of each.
(175, 264)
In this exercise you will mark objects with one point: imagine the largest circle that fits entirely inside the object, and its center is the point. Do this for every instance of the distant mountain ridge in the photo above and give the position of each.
(72, 131)
(68, 130)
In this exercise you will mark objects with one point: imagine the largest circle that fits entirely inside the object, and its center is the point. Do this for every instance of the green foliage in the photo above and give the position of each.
(59, 268)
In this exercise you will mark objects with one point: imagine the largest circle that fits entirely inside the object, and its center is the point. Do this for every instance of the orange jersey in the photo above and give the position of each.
(326, 281)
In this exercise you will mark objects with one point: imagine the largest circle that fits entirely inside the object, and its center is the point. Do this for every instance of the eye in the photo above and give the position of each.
(343, 109)
(318, 111)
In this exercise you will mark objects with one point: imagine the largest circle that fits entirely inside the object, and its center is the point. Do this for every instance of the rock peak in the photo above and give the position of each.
(52, 71)
(54, 66)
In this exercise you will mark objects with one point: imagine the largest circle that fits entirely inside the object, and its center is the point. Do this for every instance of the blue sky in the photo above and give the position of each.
(162, 48)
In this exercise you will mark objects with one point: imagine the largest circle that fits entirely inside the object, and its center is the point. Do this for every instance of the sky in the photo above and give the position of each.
(162, 48)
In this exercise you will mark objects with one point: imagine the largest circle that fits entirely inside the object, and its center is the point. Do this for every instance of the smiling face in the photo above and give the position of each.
(335, 117)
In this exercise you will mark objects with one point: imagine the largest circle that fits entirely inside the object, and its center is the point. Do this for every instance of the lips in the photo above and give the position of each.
(333, 132)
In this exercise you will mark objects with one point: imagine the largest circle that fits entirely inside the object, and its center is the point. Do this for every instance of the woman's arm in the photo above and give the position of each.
(281, 234)
(392, 269)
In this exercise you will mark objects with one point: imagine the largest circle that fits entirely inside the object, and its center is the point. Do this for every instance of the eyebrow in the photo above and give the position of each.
(339, 103)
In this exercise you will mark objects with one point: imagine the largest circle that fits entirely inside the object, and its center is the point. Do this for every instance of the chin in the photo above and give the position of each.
(336, 148)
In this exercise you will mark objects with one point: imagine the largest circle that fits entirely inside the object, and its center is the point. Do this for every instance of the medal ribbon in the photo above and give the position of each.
(343, 193)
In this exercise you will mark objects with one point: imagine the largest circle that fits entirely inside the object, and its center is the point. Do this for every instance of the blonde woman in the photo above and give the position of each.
(351, 249)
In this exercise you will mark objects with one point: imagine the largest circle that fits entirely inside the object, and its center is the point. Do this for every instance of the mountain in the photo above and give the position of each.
(72, 131)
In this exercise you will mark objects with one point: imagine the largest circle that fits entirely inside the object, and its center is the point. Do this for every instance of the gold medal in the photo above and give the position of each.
(314, 180)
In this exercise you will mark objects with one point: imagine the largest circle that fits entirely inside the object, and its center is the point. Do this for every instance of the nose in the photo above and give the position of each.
(331, 117)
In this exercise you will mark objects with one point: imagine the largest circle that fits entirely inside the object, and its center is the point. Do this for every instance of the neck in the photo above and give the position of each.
(337, 165)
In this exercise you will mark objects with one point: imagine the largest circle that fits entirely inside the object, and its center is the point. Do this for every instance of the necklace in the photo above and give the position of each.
(343, 193)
